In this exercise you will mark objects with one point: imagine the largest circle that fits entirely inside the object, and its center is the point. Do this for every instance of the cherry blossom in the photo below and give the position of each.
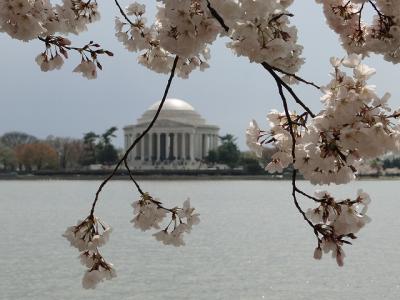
(150, 213)
(87, 236)
(354, 123)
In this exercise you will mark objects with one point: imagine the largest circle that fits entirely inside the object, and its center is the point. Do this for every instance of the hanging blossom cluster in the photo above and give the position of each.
(382, 36)
(183, 28)
(27, 19)
(149, 214)
(355, 124)
(87, 236)
(31, 19)
(259, 30)
(337, 222)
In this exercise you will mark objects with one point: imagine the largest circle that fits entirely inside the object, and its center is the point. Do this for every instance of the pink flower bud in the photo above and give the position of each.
(318, 253)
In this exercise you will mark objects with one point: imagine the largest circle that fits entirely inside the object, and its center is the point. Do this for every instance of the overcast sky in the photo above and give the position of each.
(229, 94)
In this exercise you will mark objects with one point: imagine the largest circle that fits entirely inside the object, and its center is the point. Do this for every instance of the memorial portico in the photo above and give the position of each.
(180, 134)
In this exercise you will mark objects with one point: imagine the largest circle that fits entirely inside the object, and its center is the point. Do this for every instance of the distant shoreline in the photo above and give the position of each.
(167, 176)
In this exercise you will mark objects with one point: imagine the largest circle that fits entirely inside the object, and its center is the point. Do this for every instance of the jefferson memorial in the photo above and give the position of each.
(180, 138)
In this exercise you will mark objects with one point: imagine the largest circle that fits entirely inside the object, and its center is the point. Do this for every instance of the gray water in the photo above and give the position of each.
(251, 244)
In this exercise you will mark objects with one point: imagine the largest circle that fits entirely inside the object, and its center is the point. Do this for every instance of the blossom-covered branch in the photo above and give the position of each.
(324, 148)
(136, 141)
(57, 47)
(382, 36)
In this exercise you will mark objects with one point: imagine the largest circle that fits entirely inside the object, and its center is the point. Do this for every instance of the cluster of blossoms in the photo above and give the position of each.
(382, 36)
(355, 124)
(27, 19)
(183, 28)
(337, 220)
(57, 47)
(259, 30)
(87, 236)
(149, 214)
(30, 19)
(90, 234)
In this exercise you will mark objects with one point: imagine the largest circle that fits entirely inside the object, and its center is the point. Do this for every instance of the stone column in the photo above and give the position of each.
(158, 146)
(191, 146)
(175, 154)
(183, 146)
(142, 144)
(137, 146)
(167, 146)
(207, 144)
(150, 147)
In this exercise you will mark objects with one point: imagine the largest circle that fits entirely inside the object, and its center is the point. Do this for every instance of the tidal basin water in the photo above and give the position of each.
(251, 244)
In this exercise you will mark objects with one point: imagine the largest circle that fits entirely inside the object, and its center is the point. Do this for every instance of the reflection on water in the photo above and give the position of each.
(251, 244)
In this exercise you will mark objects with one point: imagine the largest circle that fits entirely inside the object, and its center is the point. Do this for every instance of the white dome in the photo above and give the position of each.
(173, 104)
(174, 110)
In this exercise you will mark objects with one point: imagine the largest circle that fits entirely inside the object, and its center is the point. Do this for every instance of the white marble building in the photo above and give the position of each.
(179, 138)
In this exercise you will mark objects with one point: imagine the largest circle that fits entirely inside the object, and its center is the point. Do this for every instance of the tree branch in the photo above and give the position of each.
(269, 68)
(123, 13)
(123, 159)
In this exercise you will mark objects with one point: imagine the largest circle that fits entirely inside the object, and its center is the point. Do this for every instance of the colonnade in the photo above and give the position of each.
(164, 146)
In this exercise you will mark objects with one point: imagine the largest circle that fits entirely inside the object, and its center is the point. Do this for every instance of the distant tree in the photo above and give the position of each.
(377, 165)
(212, 156)
(106, 153)
(69, 151)
(15, 138)
(391, 163)
(36, 156)
(88, 156)
(110, 133)
(228, 151)
(8, 161)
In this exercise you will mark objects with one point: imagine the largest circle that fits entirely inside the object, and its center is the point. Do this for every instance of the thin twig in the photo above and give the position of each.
(296, 77)
(172, 74)
(133, 179)
(308, 196)
(217, 16)
(269, 68)
(294, 172)
(123, 12)
(288, 88)
(376, 9)
(281, 84)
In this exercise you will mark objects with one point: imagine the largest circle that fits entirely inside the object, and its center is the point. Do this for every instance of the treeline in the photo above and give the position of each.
(228, 153)
(391, 163)
(20, 151)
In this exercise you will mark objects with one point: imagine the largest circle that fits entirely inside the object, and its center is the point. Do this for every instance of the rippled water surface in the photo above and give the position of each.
(251, 244)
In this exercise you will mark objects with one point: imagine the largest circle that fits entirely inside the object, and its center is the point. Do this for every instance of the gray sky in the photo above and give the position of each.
(229, 94)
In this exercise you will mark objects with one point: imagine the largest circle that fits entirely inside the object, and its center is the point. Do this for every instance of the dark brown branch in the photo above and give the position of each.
(376, 9)
(217, 16)
(308, 196)
(172, 74)
(280, 83)
(269, 68)
(123, 13)
(133, 179)
(293, 136)
(296, 77)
